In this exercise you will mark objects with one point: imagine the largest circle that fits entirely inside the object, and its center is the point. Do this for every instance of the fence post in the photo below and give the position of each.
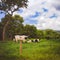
(20, 47)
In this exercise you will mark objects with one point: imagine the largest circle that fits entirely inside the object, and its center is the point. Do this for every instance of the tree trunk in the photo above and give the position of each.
(4, 30)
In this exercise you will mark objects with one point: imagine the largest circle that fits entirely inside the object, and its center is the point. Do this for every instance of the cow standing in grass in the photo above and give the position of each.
(35, 40)
(20, 37)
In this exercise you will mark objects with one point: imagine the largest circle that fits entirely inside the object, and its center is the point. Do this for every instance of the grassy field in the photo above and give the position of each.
(44, 50)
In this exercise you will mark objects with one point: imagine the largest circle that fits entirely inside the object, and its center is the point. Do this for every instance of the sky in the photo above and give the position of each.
(44, 14)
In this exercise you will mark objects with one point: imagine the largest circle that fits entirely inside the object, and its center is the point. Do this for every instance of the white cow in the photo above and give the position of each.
(20, 37)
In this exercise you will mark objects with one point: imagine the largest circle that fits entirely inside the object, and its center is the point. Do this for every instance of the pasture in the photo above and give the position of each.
(43, 50)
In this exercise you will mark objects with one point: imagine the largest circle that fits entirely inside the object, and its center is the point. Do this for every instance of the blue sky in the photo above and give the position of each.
(1, 16)
(44, 14)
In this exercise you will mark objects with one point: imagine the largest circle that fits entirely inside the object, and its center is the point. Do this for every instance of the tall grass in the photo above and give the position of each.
(44, 50)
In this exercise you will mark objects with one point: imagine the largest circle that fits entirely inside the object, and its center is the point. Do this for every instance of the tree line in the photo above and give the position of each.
(16, 27)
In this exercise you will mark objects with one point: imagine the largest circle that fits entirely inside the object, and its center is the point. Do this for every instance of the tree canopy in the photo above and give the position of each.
(15, 26)
(10, 6)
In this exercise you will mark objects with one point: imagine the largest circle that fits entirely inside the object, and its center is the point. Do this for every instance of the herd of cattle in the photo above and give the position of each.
(23, 38)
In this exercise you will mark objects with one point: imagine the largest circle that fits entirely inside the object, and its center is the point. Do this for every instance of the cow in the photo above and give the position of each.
(20, 37)
(35, 40)
(29, 41)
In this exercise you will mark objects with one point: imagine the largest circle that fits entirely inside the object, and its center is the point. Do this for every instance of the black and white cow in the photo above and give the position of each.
(20, 37)
(35, 40)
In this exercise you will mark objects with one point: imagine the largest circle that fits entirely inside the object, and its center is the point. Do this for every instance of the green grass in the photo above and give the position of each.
(44, 50)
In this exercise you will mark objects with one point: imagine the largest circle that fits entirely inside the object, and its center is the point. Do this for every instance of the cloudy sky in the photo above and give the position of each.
(44, 14)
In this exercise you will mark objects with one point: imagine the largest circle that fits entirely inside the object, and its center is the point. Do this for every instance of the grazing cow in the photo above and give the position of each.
(29, 41)
(20, 37)
(35, 40)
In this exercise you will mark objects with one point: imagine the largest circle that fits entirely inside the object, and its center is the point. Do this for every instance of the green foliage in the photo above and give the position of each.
(30, 30)
(48, 34)
(15, 25)
(1, 27)
(18, 18)
(44, 50)
(12, 5)
(40, 34)
(5, 19)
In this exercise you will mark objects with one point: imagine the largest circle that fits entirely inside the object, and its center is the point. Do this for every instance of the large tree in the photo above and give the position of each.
(9, 7)
(1, 31)
(15, 26)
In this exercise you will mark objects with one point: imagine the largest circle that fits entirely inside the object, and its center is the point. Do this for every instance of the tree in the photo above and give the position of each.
(15, 26)
(30, 30)
(1, 26)
(40, 34)
(48, 33)
(9, 7)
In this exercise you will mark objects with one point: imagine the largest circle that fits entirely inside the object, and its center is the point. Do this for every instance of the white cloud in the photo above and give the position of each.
(43, 21)
(47, 23)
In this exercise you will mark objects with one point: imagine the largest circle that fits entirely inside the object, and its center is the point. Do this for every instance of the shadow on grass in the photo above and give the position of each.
(13, 58)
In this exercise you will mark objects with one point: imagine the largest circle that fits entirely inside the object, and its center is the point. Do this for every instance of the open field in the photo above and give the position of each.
(44, 50)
